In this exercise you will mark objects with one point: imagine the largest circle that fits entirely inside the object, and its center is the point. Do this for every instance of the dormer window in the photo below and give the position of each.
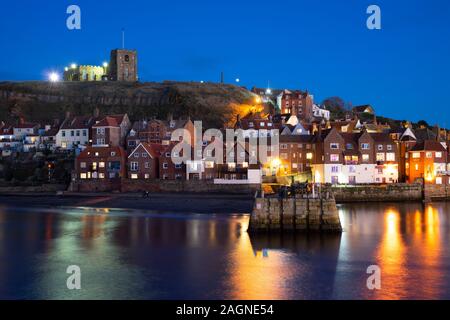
(113, 154)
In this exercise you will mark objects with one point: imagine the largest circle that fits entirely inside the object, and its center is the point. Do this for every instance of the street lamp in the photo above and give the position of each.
(53, 77)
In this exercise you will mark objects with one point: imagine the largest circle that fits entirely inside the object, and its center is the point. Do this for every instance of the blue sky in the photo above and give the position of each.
(323, 46)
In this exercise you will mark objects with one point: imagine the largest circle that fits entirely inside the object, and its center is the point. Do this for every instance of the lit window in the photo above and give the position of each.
(438, 154)
(309, 156)
(416, 155)
(380, 147)
(83, 176)
(390, 156)
(147, 176)
(365, 157)
(101, 164)
(429, 155)
(389, 147)
(438, 180)
(134, 176)
(333, 157)
(417, 167)
(82, 164)
(380, 156)
(101, 175)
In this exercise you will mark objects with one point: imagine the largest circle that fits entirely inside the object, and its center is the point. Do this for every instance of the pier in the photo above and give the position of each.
(305, 208)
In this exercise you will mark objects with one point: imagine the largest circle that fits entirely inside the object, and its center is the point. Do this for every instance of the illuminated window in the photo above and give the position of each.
(83, 176)
(438, 180)
(147, 176)
(309, 155)
(416, 155)
(429, 155)
(134, 176)
(390, 156)
(380, 156)
(82, 164)
(438, 154)
(380, 147)
(101, 175)
(365, 157)
(334, 157)
(389, 147)
(417, 167)
(101, 164)
(94, 165)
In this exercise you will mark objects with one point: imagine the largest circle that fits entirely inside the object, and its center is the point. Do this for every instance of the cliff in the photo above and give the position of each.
(213, 103)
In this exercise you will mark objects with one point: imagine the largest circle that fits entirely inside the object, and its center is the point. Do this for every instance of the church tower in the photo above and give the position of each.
(123, 65)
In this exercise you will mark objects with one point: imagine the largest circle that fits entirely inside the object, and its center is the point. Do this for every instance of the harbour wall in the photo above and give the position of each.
(295, 214)
(398, 192)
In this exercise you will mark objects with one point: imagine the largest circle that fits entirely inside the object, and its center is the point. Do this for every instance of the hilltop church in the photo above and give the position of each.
(122, 67)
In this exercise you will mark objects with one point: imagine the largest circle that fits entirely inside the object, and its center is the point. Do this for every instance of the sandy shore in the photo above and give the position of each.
(169, 202)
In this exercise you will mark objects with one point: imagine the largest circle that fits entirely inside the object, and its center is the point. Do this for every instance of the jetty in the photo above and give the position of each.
(301, 208)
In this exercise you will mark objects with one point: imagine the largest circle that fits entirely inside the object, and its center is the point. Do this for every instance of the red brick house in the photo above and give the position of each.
(169, 170)
(143, 161)
(108, 163)
(111, 131)
(427, 160)
(296, 102)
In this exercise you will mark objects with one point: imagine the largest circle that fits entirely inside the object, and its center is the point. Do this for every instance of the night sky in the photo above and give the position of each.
(323, 46)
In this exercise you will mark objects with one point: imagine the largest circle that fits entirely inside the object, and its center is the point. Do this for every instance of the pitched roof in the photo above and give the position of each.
(26, 125)
(381, 137)
(78, 122)
(153, 149)
(103, 152)
(107, 122)
(428, 145)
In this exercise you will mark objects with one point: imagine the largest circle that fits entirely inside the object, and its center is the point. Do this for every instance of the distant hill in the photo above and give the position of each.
(213, 103)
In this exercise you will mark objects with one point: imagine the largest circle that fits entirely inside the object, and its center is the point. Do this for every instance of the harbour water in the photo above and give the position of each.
(126, 254)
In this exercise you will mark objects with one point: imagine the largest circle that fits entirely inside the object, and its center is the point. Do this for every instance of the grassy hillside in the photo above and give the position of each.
(213, 103)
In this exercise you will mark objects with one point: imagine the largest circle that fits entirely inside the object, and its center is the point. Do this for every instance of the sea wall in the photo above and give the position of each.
(129, 185)
(294, 214)
(436, 192)
(368, 193)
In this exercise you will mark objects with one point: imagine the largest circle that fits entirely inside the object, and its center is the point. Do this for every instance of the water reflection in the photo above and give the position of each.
(165, 256)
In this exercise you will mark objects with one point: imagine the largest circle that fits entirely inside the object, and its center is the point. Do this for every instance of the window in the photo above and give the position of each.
(136, 155)
(165, 165)
(352, 169)
(389, 147)
(284, 156)
(101, 164)
(438, 154)
(365, 157)
(178, 166)
(416, 155)
(380, 156)
(134, 166)
(101, 141)
(334, 157)
(429, 155)
(417, 167)
(134, 176)
(84, 133)
(82, 164)
(94, 165)
(63, 133)
(78, 133)
(309, 156)
(334, 179)
(72, 133)
(390, 156)
(100, 130)
(283, 146)
(167, 154)
(113, 154)
(365, 146)
(131, 143)
(147, 176)
(380, 147)
(83, 176)
(101, 175)
(349, 146)
(438, 180)
(334, 146)
(407, 165)
(334, 169)
(380, 170)
(144, 155)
